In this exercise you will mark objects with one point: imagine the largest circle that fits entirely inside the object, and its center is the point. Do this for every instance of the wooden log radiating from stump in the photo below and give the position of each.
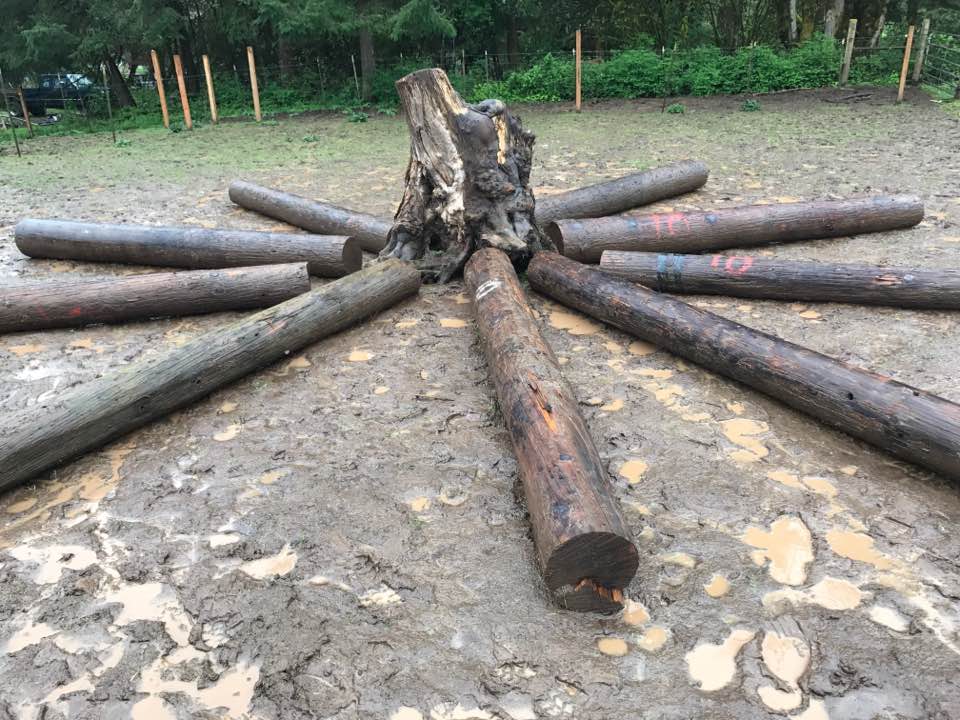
(185, 247)
(585, 548)
(624, 193)
(44, 305)
(694, 232)
(313, 215)
(906, 422)
(766, 278)
(74, 422)
(467, 184)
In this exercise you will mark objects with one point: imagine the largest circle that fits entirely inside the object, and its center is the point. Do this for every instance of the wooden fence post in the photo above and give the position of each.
(906, 64)
(158, 77)
(211, 95)
(106, 89)
(579, 57)
(356, 80)
(848, 51)
(26, 112)
(922, 50)
(254, 87)
(184, 100)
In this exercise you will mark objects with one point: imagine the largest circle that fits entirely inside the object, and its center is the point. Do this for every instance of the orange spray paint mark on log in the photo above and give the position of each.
(543, 405)
(734, 265)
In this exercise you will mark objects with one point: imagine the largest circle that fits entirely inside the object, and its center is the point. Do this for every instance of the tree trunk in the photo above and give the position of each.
(467, 181)
(693, 232)
(368, 61)
(585, 548)
(119, 89)
(186, 247)
(285, 58)
(909, 423)
(38, 306)
(317, 217)
(792, 22)
(758, 277)
(87, 417)
(513, 41)
(833, 18)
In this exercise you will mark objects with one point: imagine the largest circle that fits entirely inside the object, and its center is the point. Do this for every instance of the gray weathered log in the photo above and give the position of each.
(73, 303)
(774, 279)
(586, 549)
(313, 215)
(902, 420)
(79, 420)
(629, 191)
(185, 247)
(694, 232)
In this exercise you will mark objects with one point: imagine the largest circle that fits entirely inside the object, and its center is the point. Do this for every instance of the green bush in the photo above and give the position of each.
(676, 109)
(750, 106)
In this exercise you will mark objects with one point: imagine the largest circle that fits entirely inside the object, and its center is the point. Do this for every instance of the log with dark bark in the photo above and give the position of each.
(43, 305)
(630, 191)
(467, 184)
(907, 422)
(585, 548)
(585, 240)
(62, 427)
(185, 247)
(313, 215)
(756, 277)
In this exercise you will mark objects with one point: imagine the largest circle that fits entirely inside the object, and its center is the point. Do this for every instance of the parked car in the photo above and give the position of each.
(55, 90)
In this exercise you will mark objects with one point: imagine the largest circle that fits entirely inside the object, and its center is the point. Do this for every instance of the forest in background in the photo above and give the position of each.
(341, 54)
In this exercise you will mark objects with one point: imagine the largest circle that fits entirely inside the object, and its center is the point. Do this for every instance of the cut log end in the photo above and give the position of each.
(590, 571)
(351, 256)
(467, 184)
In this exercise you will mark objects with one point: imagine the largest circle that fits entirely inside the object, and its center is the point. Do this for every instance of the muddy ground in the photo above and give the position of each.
(337, 536)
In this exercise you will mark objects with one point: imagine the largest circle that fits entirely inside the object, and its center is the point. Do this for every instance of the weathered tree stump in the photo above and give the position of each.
(585, 547)
(774, 279)
(96, 412)
(902, 420)
(43, 305)
(467, 184)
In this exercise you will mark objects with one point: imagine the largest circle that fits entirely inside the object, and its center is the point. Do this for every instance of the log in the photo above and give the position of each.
(694, 232)
(909, 423)
(76, 421)
(313, 215)
(467, 184)
(630, 191)
(585, 548)
(775, 279)
(44, 305)
(185, 247)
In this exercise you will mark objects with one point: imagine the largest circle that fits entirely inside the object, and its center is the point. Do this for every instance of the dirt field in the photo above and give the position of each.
(337, 536)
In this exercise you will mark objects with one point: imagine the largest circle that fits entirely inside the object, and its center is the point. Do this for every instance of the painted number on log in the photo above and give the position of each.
(734, 265)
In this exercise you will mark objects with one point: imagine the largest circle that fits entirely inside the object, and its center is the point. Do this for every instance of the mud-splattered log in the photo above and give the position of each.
(585, 548)
(185, 247)
(318, 217)
(627, 192)
(62, 427)
(694, 232)
(756, 277)
(907, 422)
(43, 305)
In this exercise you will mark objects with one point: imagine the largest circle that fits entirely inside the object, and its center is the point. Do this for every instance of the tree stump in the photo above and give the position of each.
(467, 184)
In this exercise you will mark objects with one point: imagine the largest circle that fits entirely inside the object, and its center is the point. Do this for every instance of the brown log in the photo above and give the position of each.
(62, 427)
(694, 232)
(907, 422)
(313, 215)
(775, 279)
(585, 548)
(43, 305)
(467, 184)
(185, 247)
(630, 191)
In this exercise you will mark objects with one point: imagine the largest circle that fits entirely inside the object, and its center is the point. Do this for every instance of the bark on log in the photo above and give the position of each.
(74, 422)
(313, 215)
(630, 191)
(907, 422)
(467, 184)
(185, 247)
(39, 306)
(756, 277)
(585, 240)
(585, 548)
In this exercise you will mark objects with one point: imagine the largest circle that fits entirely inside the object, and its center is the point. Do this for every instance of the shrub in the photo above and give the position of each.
(750, 106)
(676, 108)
